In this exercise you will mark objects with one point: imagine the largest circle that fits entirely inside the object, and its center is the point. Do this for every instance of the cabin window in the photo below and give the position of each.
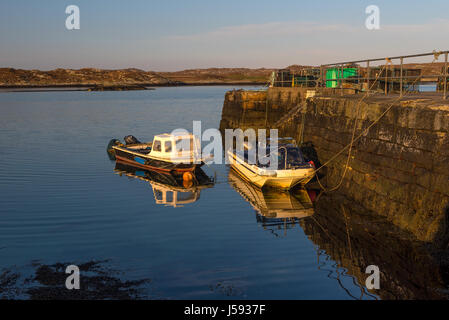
(158, 194)
(157, 146)
(186, 196)
(169, 196)
(184, 145)
(167, 146)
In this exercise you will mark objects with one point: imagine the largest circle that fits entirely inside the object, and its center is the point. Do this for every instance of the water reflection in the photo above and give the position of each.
(275, 209)
(355, 238)
(168, 189)
(347, 240)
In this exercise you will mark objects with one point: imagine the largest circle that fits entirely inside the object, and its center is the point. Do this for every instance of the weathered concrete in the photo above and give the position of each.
(399, 169)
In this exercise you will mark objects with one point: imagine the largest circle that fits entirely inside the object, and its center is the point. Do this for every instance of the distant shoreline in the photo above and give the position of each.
(92, 79)
(118, 87)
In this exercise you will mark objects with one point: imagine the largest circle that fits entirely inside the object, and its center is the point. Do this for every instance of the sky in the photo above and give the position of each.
(173, 35)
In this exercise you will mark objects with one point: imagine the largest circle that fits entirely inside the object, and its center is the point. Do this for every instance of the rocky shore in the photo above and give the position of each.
(84, 78)
(127, 79)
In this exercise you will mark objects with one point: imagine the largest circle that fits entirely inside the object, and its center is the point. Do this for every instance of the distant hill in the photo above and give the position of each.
(220, 76)
(87, 77)
(10, 77)
(133, 78)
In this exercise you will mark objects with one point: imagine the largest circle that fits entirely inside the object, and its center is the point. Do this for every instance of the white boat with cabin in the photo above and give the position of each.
(168, 152)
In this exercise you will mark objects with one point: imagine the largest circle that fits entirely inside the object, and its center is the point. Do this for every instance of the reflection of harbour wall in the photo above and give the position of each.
(399, 170)
(356, 240)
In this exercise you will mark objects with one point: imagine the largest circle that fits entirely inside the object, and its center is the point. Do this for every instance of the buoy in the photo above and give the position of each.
(187, 176)
(187, 184)
(187, 179)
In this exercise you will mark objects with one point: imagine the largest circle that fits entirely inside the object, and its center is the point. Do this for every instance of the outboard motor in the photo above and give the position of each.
(131, 140)
(110, 151)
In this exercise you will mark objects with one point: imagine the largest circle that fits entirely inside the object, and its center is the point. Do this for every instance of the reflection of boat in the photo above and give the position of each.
(167, 152)
(272, 204)
(292, 169)
(169, 189)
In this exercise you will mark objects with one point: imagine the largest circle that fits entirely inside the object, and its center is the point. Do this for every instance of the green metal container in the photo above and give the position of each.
(335, 75)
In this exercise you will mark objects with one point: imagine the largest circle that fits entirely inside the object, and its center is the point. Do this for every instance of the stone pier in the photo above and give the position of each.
(399, 169)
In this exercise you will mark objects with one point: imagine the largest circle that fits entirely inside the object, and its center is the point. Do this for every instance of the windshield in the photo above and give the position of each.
(294, 158)
(289, 157)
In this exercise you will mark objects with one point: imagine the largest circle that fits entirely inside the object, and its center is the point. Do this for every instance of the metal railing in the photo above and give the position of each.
(393, 78)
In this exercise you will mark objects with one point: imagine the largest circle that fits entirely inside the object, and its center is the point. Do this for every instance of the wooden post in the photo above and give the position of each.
(341, 79)
(321, 76)
(445, 76)
(402, 61)
(324, 77)
(367, 75)
(358, 76)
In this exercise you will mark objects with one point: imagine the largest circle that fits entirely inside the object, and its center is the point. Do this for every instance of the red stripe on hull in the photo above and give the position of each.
(147, 167)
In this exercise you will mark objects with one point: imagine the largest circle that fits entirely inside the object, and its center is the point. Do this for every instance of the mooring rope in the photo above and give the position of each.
(364, 132)
(352, 139)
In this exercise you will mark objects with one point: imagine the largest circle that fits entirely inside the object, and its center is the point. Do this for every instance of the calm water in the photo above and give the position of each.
(60, 201)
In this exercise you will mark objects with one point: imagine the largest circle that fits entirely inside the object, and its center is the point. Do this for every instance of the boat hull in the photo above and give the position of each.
(284, 180)
(145, 162)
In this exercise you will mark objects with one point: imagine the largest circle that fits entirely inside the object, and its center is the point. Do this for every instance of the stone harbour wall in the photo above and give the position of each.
(399, 169)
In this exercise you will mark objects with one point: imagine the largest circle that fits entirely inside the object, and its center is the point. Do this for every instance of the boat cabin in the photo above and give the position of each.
(175, 146)
(173, 198)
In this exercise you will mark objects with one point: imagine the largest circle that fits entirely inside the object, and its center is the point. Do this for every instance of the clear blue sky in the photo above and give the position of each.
(175, 35)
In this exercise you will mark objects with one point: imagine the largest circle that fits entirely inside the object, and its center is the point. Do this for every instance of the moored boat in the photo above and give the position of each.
(168, 153)
(292, 169)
